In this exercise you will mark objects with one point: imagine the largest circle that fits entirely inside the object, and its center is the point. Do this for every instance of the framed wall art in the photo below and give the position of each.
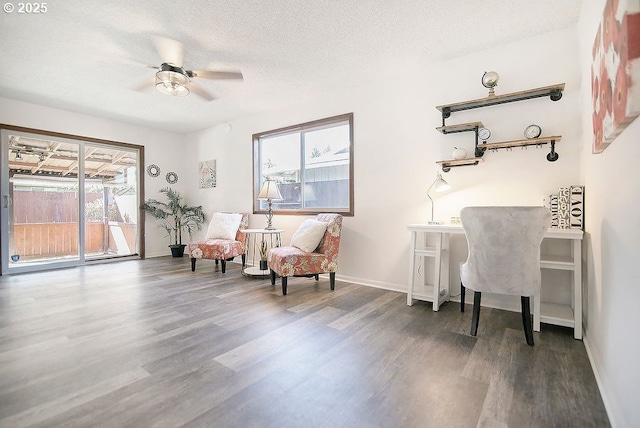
(207, 174)
(615, 71)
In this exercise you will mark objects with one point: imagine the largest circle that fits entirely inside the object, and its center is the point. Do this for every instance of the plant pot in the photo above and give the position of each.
(177, 250)
(263, 265)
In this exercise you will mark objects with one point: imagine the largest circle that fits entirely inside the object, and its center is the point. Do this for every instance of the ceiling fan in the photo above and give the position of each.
(173, 79)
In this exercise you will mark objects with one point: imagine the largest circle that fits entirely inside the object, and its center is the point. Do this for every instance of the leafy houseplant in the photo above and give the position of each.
(263, 255)
(175, 216)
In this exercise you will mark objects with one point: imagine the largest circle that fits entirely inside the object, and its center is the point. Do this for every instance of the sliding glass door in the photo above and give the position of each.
(67, 201)
(110, 202)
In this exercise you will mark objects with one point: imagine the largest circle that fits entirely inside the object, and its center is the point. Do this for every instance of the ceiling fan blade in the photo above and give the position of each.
(136, 63)
(146, 85)
(208, 74)
(170, 51)
(200, 91)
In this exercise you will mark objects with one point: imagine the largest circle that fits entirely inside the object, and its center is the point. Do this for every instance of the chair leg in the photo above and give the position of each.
(332, 280)
(316, 276)
(193, 264)
(244, 260)
(463, 293)
(476, 312)
(526, 319)
(273, 277)
(284, 285)
(223, 262)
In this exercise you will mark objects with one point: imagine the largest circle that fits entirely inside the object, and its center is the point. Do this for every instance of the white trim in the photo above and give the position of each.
(401, 288)
(609, 405)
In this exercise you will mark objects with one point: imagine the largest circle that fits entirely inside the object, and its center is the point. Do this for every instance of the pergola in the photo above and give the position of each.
(32, 156)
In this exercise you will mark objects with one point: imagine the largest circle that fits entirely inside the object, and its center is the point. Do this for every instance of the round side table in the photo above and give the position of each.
(272, 237)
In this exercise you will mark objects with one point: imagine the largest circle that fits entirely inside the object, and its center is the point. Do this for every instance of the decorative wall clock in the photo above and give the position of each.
(153, 170)
(172, 178)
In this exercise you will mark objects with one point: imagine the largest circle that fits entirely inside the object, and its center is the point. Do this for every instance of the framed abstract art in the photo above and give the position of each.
(615, 71)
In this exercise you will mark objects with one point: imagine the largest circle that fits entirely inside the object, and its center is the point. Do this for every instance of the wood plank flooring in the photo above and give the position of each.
(151, 344)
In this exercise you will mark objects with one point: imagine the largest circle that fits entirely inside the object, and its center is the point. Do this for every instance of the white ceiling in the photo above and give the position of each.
(89, 56)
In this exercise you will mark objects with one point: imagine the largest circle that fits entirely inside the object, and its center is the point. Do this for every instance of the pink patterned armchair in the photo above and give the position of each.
(221, 243)
(293, 261)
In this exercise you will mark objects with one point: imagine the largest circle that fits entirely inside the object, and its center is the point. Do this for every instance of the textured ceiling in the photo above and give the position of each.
(89, 56)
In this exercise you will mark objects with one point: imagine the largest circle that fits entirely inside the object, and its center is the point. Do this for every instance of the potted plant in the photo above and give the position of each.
(263, 255)
(175, 216)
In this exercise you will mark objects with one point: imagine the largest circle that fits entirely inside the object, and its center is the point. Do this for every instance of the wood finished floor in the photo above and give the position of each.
(152, 344)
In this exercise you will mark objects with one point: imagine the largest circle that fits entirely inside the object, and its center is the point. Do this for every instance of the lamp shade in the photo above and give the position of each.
(441, 185)
(269, 191)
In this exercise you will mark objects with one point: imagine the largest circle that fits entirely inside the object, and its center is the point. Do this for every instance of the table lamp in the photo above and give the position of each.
(439, 185)
(269, 192)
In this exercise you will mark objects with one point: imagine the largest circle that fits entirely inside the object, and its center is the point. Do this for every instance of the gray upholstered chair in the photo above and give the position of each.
(504, 256)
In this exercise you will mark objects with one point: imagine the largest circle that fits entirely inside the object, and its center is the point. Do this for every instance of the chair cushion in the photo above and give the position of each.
(215, 249)
(308, 235)
(224, 226)
(291, 261)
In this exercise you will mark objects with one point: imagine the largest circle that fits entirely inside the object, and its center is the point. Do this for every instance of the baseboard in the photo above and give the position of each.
(505, 303)
(609, 405)
(402, 288)
(153, 255)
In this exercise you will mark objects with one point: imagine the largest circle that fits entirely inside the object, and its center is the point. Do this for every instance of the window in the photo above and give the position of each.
(312, 163)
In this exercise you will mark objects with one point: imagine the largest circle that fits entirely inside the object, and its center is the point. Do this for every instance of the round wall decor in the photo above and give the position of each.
(172, 178)
(153, 170)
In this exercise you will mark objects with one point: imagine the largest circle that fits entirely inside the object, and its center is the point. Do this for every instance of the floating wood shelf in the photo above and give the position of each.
(553, 91)
(520, 143)
(448, 164)
(461, 127)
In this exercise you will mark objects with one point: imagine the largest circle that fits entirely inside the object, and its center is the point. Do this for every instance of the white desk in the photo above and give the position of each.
(436, 238)
(273, 239)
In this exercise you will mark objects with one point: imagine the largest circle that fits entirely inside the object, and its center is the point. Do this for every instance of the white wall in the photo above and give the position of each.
(161, 148)
(612, 248)
(396, 147)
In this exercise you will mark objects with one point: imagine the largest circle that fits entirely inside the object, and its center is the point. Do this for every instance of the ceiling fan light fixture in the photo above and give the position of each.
(171, 80)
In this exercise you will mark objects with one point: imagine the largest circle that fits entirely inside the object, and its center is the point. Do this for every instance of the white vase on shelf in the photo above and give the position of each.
(459, 153)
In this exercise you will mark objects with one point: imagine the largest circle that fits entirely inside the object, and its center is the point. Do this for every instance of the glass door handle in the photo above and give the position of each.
(6, 201)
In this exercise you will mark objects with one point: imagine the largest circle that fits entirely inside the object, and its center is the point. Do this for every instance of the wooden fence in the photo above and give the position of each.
(46, 240)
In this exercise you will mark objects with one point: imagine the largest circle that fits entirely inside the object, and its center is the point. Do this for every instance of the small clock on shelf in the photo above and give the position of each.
(484, 134)
(532, 131)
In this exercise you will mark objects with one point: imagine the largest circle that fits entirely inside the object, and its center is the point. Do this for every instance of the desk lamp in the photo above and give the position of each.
(439, 185)
(269, 192)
